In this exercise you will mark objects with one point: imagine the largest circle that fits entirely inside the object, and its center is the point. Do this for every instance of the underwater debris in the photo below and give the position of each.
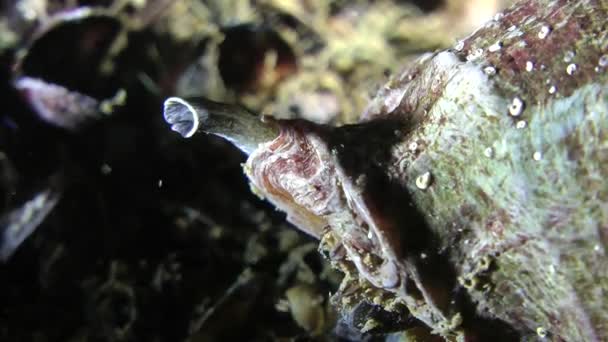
(57, 105)
(17, 224)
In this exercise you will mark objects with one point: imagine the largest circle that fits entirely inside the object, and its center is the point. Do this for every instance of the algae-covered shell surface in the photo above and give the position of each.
(472, 195)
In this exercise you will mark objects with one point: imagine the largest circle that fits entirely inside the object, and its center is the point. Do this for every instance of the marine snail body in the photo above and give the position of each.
(473, 189)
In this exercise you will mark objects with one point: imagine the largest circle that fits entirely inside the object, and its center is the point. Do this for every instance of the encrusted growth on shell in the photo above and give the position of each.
(300, 174)
(327, 190)
(528, 197)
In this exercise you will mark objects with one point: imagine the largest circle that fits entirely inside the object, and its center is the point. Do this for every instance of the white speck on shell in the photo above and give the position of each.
(424, 181)
(516, 107)
(541, 332)
(495, 47)
(529, 66)
(490, 70)
(521, 124)
(459, 46)
(537, 156)
(552, 89)
(544, 32)
(488, 152)
(571, 69)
